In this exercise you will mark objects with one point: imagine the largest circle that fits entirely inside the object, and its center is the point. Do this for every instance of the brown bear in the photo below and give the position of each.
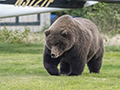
(72, 42)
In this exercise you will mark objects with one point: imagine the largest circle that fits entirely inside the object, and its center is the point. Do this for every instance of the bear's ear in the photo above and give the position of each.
(47, 32)
(64, 33)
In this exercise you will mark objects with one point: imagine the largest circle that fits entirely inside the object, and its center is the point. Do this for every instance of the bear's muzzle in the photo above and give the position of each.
(54, 52)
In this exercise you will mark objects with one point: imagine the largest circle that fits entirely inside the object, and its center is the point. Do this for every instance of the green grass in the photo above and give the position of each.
(21, 68)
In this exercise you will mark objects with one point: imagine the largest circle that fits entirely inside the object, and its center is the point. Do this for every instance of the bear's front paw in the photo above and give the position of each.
(62, 72)
(54, 72)
(73, 74)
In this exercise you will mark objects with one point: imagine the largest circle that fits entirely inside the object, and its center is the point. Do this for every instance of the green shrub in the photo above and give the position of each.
(15, 36)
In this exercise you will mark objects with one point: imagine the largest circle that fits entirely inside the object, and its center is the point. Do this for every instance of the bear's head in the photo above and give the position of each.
(60, 36)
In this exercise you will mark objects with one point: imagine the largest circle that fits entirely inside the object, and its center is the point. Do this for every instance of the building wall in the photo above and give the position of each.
(44, 22)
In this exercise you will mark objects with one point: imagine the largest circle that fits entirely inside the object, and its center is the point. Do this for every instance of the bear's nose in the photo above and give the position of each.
(53, 55)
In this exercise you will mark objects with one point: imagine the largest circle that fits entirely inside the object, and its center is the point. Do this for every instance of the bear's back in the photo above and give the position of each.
(88, 27)
(87, 24)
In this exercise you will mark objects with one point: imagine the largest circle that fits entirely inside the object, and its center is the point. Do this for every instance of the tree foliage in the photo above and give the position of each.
(105, 15)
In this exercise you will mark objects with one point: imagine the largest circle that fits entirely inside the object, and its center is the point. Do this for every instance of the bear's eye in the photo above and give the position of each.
(64, 33)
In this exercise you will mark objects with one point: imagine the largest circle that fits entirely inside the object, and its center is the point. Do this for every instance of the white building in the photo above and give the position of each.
(35, 22)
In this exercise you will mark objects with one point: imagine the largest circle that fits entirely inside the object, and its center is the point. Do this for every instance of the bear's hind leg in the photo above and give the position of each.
(95, 64)
(64, 67)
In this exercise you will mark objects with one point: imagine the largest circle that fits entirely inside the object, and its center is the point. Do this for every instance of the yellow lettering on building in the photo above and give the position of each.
(50, 1)
(36, 4)
(32, 3)
(26, 3)
(19, 2)
(43, 3)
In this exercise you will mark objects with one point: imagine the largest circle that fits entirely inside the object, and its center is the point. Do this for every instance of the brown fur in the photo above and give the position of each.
(72, 42)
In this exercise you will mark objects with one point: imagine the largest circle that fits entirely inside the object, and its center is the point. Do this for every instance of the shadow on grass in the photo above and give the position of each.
(21, 48)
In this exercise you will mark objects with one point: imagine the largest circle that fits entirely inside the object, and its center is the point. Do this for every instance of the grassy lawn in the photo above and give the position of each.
(21, 68)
